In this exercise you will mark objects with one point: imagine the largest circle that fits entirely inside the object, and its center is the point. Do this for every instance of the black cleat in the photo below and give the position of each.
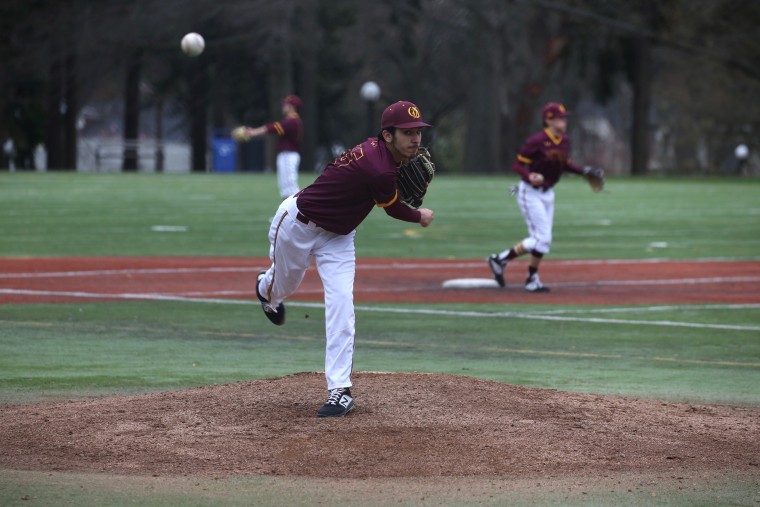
(497, 268)
(275, 315)
(338, 404)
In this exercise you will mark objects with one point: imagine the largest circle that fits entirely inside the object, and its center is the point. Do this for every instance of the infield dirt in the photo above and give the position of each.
(405, 425)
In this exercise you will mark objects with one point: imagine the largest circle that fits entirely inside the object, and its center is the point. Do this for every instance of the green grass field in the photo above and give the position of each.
(227, 215)
(60, 351)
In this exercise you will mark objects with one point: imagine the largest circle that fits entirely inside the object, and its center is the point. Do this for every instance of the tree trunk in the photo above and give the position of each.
(199, 101)
(308, 90)
(483, 122)
(55, 103)
(70, 114)
(642, 99)
(132, 111)
(159, 134)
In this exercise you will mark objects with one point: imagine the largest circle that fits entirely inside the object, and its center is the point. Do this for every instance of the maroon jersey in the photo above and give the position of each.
(350, 186)
(547, 154)
(290, 131)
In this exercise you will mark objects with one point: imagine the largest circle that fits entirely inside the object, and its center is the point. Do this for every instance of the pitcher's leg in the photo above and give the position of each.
(291, 243)
(336, 263)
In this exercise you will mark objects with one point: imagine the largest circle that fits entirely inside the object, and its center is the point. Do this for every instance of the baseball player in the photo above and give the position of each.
(320, 222)
(540, 163)
(290, 131)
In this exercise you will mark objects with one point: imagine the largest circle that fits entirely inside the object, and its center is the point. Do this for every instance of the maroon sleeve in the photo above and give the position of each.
(575, 168)
(571, 166)
(275, 127)
(401, 211)
(519, 168)
(524, 158)
(383, 189)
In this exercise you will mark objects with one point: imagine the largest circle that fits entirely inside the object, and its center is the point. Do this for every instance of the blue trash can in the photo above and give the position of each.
(225, 154)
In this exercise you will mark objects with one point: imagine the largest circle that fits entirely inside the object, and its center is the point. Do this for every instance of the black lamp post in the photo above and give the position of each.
(742, 154)
(370, 92)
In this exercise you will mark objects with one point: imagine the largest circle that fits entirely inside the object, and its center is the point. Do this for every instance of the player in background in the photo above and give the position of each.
(320, 222)
(290, 132)
(542, 159)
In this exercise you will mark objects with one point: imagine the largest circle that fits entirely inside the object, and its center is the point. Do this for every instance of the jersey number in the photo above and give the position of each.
(348, 156)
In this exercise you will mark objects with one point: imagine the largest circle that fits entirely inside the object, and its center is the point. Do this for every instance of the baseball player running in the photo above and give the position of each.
(540, 163)
(320, 222)
(290, 131)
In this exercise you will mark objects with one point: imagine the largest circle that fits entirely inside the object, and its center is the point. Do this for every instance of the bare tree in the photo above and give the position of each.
(480, 70)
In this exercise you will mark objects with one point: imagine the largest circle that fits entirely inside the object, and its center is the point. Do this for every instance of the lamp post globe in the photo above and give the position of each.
(741, 152)
(370, 92)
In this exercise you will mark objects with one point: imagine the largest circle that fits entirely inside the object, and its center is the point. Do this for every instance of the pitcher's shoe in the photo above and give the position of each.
(339, 403)
(497, 268)
(275, 315)
(533, 284)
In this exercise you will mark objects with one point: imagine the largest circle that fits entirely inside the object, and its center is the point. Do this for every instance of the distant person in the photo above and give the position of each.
(290, 132)
(320, 222)
(540, 163)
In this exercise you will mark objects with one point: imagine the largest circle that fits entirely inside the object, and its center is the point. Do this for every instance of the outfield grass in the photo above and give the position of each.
(58, 351)
(228, 215)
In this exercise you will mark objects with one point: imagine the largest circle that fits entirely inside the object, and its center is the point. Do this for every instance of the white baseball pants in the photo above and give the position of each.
(537, 209)
(287, 172)
(292, 246)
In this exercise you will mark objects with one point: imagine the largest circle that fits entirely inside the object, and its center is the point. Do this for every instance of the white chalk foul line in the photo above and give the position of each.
(660, 308)
(128, 296)
(535, 316)
(118, 272)
(413, 311)
(669, 281)
(229, 269)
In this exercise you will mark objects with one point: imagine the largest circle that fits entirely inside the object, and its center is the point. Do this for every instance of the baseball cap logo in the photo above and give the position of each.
(402, 114)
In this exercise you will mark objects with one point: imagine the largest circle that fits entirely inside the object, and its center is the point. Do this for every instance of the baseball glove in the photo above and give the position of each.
(240, 134)
(595, 177)
(413, 178)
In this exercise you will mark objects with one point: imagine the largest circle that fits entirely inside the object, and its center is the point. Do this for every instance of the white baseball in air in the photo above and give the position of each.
(741, 152)
(193, 44)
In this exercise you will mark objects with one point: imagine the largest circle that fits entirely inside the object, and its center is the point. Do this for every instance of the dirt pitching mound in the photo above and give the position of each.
(404, 425)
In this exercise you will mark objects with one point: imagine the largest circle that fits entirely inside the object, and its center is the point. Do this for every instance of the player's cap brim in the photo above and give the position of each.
(409, 125)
